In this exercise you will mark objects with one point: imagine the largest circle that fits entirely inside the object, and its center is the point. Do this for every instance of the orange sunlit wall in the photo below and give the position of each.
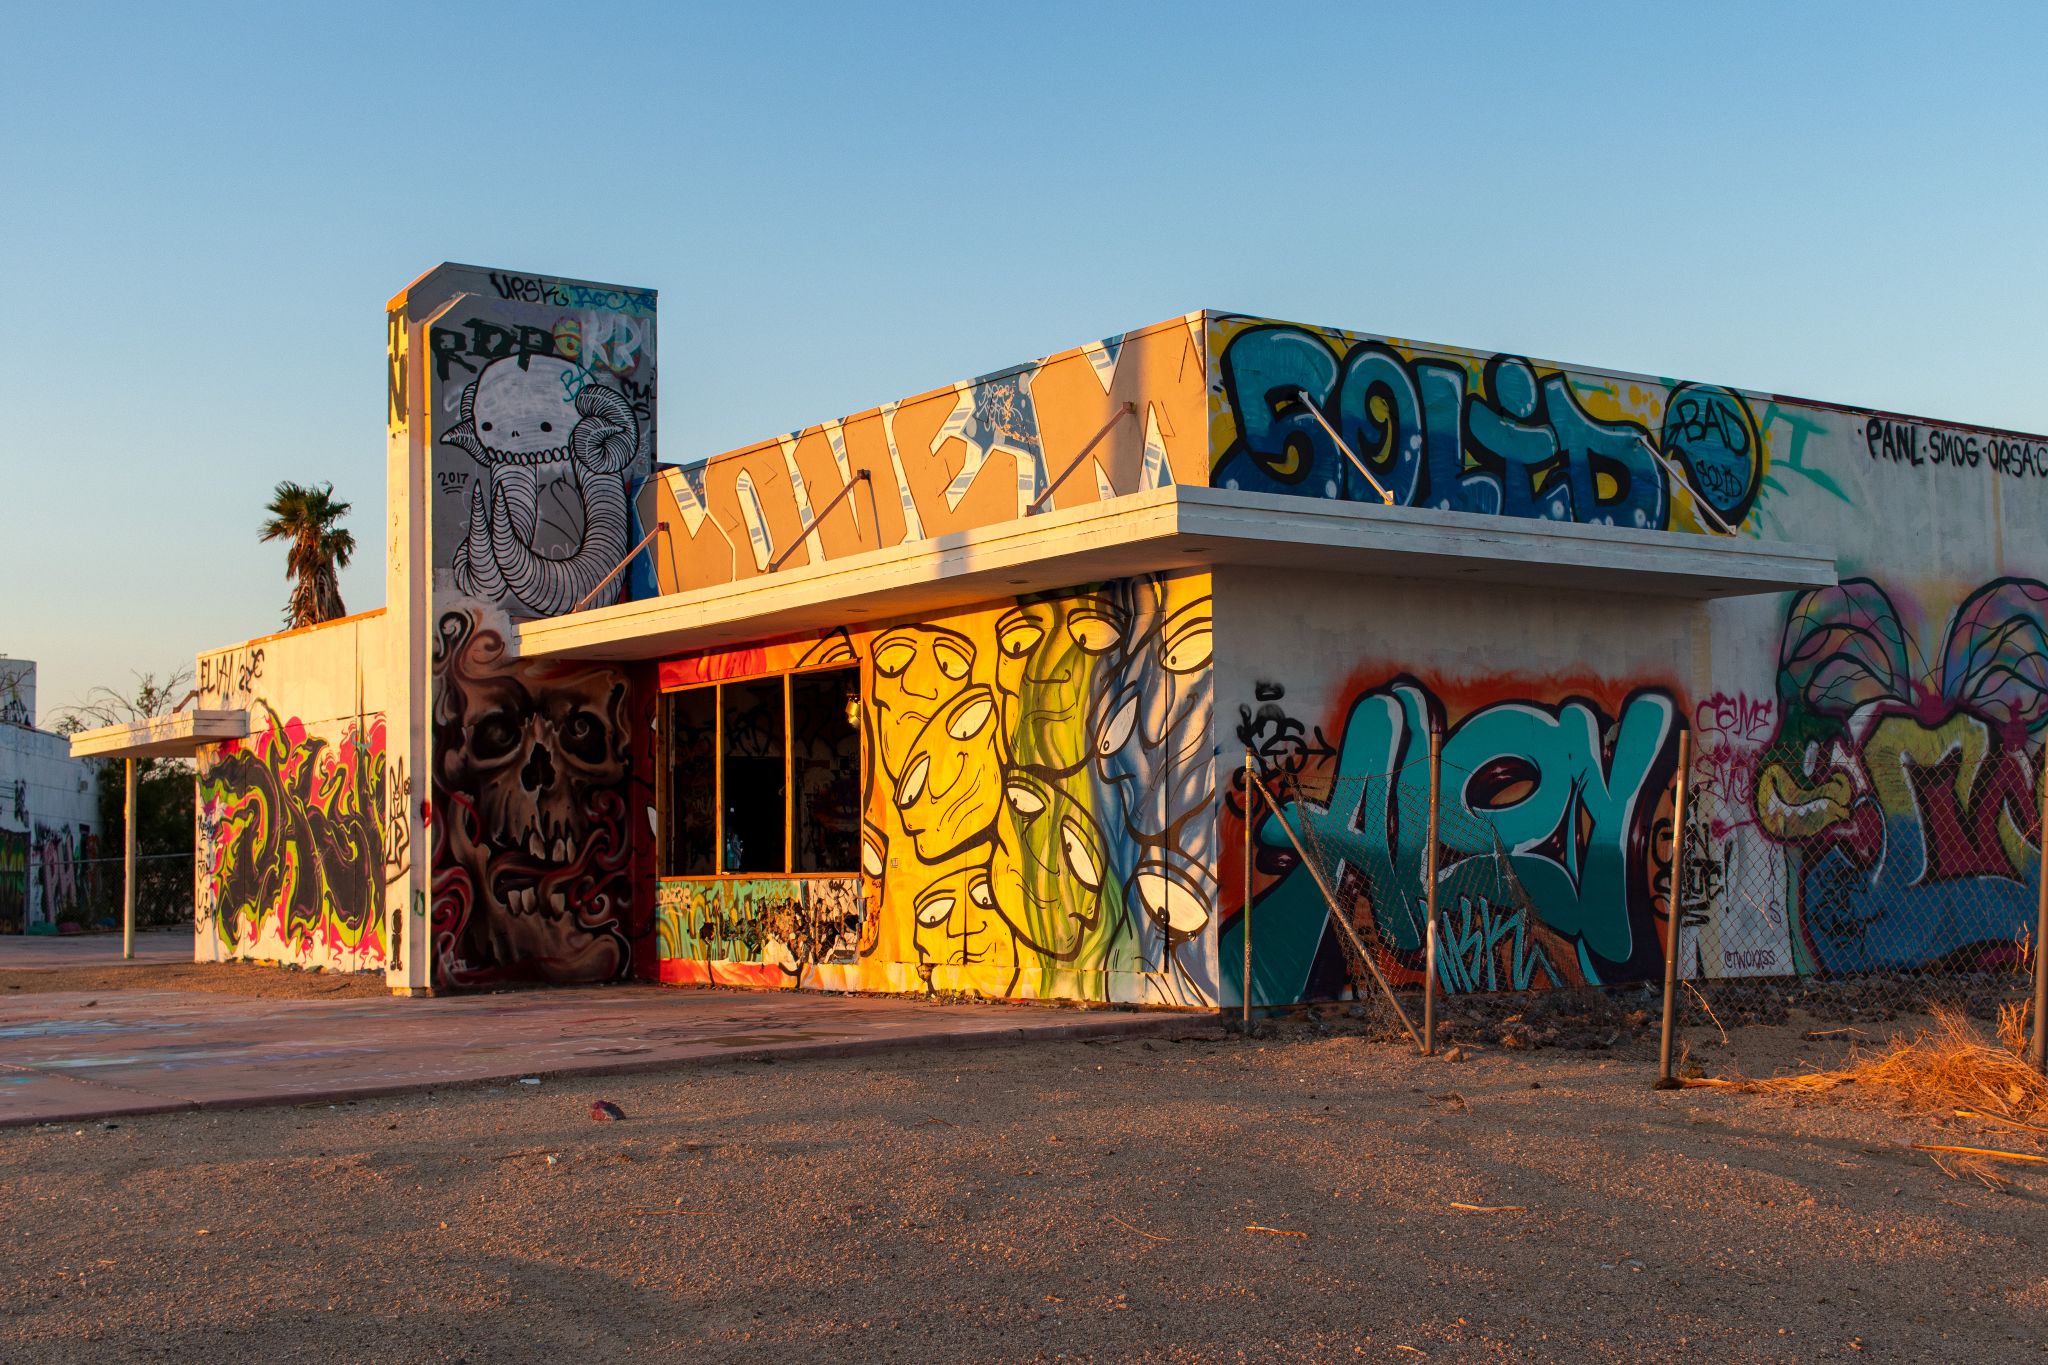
(973, 454)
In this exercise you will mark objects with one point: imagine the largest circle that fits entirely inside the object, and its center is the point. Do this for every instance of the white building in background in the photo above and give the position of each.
(49, 807)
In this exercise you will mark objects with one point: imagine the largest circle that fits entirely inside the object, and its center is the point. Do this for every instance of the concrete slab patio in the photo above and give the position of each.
(72, 1056)
(47, 952)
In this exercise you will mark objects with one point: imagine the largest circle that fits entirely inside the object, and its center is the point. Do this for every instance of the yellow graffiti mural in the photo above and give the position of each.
(1037, 808)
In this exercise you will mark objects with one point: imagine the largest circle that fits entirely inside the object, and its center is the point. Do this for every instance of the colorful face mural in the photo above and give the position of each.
(1039, 808)
(1554, 833)
(291, 845)
(1465, 432)
(540, 779)
(1903, 777)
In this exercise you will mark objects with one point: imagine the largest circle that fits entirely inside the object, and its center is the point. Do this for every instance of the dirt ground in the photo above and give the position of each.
(263, 981)
(1210, 1197)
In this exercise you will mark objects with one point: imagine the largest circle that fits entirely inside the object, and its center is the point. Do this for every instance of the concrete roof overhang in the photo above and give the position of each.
(179, 735)
(1173, 528)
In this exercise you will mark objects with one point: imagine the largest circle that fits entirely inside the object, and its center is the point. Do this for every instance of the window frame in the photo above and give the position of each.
(857, 666)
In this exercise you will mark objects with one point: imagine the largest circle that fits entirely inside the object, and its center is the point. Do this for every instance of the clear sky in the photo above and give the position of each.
(204, 209)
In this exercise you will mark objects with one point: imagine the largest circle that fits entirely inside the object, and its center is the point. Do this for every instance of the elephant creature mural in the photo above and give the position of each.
(558, 456)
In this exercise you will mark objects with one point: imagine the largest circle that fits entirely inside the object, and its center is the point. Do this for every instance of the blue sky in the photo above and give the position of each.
(205, 209)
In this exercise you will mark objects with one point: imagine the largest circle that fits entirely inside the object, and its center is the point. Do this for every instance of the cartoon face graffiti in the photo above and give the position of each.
(916, 671)
(943, 797)
(546, 438)
(1045, 654)
(1149, 718)
(533, 771)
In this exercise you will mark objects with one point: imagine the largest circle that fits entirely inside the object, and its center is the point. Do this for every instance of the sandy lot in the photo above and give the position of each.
(261, 981)
(1062, 1200)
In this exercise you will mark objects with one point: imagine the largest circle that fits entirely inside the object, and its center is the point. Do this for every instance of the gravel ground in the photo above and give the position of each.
(1214, 1197)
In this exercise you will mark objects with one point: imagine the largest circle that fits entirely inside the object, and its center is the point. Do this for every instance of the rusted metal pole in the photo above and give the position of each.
(619, 567)
(1665, 1080)
(2038, 1052)
(1127, 410)
(1386, 494)
(1342, 922)
(128, 844)
(1249, 798)
(859, 476)
(1429, 897)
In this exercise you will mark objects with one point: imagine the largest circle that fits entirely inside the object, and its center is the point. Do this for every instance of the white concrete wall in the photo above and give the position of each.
(49, 812)
(293, 851)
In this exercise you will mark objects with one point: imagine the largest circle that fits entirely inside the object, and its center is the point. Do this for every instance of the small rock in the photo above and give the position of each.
(604, 1111)
(1456, 1054)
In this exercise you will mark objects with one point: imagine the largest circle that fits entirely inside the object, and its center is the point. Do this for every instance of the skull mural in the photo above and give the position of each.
(558, 454)
(535, 784)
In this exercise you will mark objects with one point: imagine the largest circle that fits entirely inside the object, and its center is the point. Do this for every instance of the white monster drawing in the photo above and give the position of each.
(526, 421)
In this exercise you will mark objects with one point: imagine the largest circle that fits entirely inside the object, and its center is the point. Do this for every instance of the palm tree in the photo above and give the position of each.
(306, 518)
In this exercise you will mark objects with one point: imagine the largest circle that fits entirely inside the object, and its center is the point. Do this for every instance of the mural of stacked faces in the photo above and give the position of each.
(540, 781)
(1040, 791)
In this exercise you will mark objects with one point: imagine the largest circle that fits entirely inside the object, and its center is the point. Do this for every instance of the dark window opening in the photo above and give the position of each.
(755, 770)
(690, 848)
(763, 777)
(824, 712)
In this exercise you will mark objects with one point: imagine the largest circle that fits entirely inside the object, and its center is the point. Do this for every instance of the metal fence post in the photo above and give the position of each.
(1429, 896)
(1665, 1080)
(1248, 798)
(2039, 1048)
(129, 837)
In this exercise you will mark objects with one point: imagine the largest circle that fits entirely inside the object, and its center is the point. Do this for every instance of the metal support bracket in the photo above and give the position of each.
(1386, 494)
(1127, 410)
(859, 476)
(620, 567)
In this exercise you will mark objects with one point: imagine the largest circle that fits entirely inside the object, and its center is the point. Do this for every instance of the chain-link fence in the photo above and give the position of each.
(1851, 895)
(1423, 892)
(74, 895)
(1857, 888)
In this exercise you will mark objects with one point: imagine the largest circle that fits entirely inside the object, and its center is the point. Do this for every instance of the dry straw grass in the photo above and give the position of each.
(1950, 1069)
(1940, 1070)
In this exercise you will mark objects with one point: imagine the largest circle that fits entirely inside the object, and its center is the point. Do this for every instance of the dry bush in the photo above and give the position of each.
(1951, 1067)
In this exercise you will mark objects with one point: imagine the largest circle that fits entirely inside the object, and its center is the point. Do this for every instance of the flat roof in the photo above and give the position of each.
(179, 735)
(1176, 527)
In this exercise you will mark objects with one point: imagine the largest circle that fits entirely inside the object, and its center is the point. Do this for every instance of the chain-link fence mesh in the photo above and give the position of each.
(1854, 894)
(70, 895)
(1858, 887)
(1369, 836)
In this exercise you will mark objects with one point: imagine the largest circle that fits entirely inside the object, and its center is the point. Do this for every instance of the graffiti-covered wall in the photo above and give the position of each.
(49, 807)
(1866, 759)
(976, 453)
(1559, 714)
(1466, 431)
(542, 396)
(293, 843)
(522, 412)
(1038, 810)
(542, 840)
